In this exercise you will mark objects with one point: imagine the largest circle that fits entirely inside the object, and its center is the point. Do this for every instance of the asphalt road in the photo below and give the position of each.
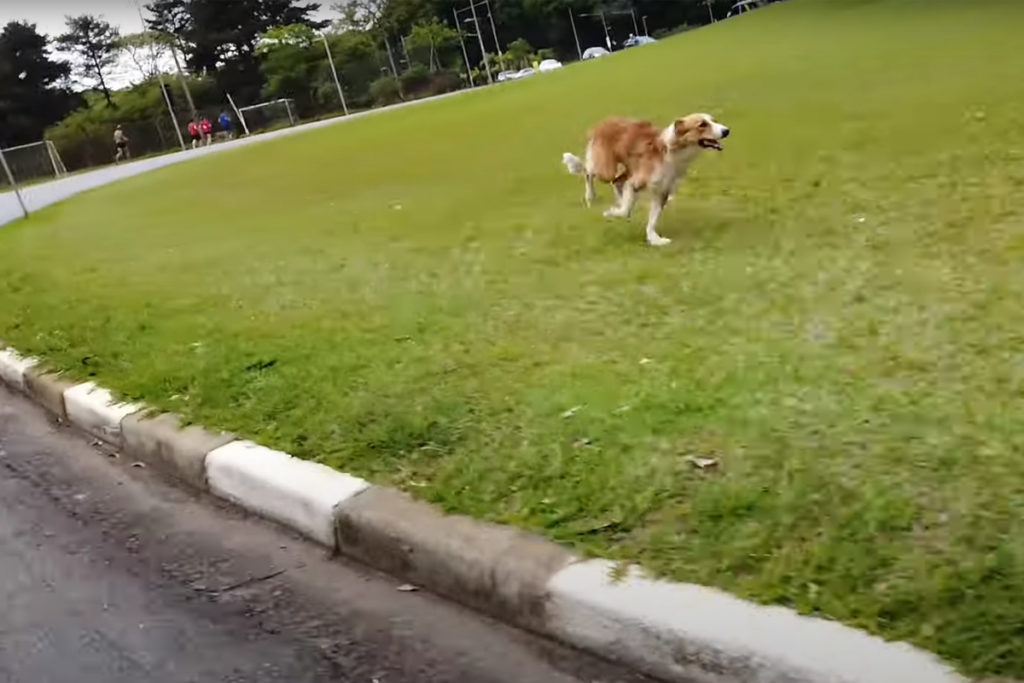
(110, 574)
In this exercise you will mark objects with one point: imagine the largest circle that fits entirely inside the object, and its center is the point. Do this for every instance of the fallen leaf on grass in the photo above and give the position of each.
(138, 464)
(703, 463)
(572, 411)
(407, 588)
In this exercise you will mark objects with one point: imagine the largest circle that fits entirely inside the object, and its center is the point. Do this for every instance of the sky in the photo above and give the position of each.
(48, 16)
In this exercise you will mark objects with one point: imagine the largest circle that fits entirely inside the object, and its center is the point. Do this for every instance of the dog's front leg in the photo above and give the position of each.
(625, 206)
(658, 200)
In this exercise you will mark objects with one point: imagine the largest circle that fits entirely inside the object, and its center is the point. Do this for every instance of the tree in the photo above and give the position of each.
(221, 37)
(170, 17)
(145, 50)
(33, 87)
(434, 36)
(291, 65)
(95, 43)
(519, 52)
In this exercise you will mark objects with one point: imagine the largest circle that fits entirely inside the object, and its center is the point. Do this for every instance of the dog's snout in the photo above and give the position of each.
(725, 132)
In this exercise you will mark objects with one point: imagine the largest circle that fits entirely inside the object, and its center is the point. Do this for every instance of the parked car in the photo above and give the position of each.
(506, 76)
(549, 65)
(744, 6)
(595, 52)
(524, 73)
(633, 41)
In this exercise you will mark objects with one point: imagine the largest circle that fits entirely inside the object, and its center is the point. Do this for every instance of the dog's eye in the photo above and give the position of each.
(703, 124)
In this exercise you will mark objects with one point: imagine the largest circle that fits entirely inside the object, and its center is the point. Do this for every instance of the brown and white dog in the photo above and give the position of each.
(634, 155)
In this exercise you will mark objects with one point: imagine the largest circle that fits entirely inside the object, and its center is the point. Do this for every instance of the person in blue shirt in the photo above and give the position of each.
(225, 123)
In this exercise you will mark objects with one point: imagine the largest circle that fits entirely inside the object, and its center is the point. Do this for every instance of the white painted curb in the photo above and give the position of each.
(13, 367)
(297, 493)
(687, 632)
(94, 409)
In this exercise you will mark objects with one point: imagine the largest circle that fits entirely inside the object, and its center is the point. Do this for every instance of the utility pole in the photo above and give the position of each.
(480, 37)
(644, 19)
(181, 76)
(405, 51)
(575, 35)
(334, 72)
(494, 32)
(387, 44)
(636, 29)
(711, 14)
(465, 55)
(163, 87)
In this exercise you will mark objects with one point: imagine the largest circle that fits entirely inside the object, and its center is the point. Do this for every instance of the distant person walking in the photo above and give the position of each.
(121, 145)
(225, 124)
(206, 128)
(193, 132)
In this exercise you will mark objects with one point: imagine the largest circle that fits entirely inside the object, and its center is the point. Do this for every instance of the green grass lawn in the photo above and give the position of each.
(419, 297)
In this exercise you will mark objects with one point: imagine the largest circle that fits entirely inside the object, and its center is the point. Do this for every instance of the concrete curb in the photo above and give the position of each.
(13, 367)
(93, 409)
(298, 493)
(685, 632)
(162, 443)
(47, 389)
(676, 632)
(496, 569)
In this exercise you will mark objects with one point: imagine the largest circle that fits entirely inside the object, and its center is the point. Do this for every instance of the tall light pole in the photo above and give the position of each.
(465, 55)
(575, 35)
(711, 14)
(494, 32)
(644, 19)
(480, 37)
(181, 75)
(334, 72)
(163, 87)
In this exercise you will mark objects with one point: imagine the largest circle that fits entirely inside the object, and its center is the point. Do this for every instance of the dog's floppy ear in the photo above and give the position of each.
(681, 126)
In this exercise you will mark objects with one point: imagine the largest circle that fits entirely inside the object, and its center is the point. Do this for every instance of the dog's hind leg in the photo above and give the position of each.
(618, 184)
(588, 189)
(626, 202)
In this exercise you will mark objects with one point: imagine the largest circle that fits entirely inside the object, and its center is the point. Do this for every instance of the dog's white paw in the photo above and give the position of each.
(613, 213)
(658, 241)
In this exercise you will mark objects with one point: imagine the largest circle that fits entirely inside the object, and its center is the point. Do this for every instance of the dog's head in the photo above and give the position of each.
(699, 130)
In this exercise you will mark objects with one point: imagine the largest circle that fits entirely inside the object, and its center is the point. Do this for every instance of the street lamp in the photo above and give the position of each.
(644, 19)
(334, 72)
(163, 88)
(480, 38)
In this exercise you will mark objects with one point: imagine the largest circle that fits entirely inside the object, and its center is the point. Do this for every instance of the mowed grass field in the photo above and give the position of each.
(419, 297)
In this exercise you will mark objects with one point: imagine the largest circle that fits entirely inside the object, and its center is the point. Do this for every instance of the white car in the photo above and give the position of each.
(549, 65)
(744, 6)
(523, 73)
(594, 53)
(634, 41)
(506, 76)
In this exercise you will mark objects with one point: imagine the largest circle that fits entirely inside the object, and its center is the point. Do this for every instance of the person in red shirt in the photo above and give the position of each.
(193, 132)
(206, 128)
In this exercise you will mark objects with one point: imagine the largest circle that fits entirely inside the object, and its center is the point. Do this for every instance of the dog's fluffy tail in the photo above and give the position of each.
(573, 163)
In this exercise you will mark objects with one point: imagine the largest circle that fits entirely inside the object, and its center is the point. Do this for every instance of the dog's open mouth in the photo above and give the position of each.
(710, 144)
